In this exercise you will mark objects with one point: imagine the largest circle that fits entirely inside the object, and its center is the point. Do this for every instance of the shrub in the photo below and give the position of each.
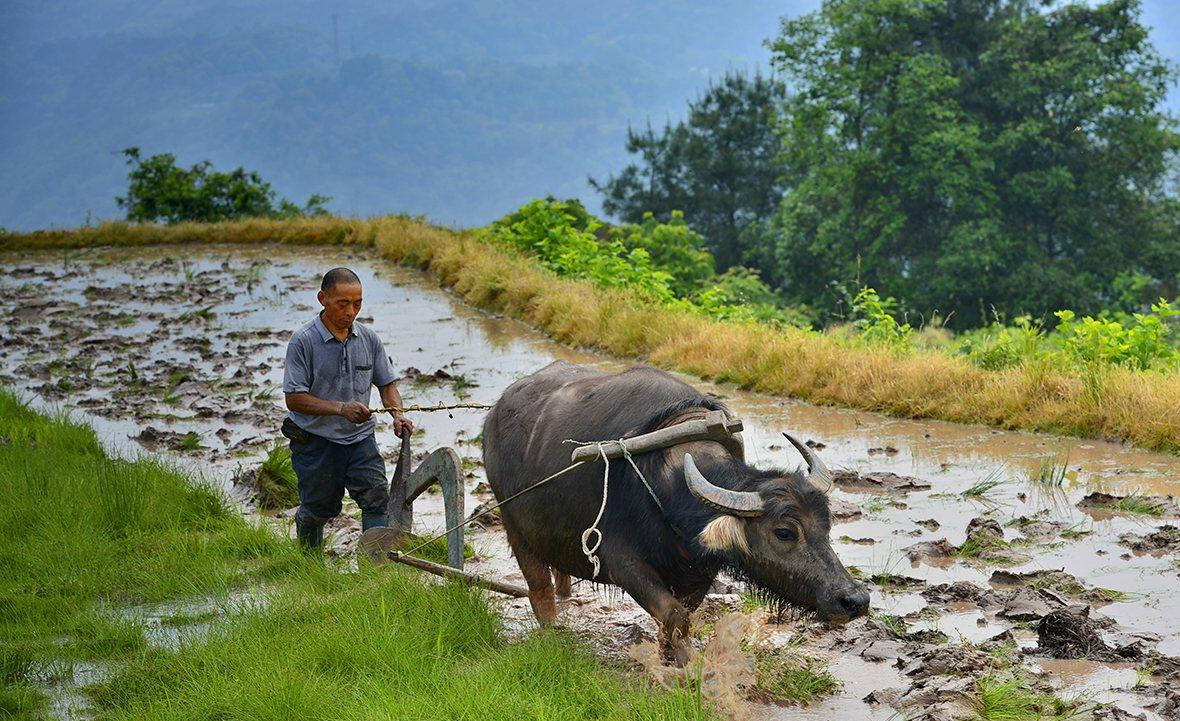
(1140, 342)
(873, 318)
(560, 234)
(673, 247)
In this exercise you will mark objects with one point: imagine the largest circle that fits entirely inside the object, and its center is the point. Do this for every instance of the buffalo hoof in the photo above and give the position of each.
(676, 653)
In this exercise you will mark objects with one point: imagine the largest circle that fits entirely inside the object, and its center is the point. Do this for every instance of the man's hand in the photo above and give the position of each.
(402, 426)
(355, 412)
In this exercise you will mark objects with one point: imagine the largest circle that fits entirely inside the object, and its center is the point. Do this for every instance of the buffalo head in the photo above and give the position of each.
(776, 534)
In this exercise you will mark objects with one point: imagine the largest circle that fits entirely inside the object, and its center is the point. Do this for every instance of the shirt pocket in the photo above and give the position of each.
(362, 374)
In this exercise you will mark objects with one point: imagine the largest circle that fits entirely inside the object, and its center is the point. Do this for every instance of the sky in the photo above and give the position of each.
(456, 110)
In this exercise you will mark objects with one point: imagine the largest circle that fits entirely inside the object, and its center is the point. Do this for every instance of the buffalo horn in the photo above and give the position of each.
(734, 503)
(817, 473)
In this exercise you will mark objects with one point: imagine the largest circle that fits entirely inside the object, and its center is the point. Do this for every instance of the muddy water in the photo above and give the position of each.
(191, 341)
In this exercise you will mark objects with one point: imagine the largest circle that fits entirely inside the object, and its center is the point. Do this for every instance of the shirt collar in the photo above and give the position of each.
(325, 334)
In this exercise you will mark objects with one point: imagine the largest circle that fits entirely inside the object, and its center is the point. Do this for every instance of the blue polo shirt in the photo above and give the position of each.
(319, 364)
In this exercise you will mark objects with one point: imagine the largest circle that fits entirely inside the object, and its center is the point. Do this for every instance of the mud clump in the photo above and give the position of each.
(481, 517)
(930, 551)
(960, 592)
(1134, 504)
(878, 482)
(1165, 539)
(1071, 633)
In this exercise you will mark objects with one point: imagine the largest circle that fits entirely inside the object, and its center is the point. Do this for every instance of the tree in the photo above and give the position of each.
(965, 155)
(159, 190)
(719, 166)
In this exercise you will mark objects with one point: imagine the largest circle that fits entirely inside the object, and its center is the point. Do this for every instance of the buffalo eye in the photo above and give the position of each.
(786, 534)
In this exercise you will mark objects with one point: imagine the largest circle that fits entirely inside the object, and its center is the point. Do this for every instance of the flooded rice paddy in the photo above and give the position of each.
(970, 537)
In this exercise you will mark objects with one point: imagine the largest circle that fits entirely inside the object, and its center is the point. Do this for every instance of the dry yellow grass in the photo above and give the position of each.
(1140, 408)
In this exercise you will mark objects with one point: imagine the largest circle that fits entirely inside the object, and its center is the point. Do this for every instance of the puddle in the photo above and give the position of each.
(105, 333)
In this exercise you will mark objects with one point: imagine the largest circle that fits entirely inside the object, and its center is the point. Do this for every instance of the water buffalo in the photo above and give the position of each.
(767, 526)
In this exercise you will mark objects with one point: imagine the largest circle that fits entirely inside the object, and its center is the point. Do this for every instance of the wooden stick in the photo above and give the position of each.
(714, 426)
(448, 572)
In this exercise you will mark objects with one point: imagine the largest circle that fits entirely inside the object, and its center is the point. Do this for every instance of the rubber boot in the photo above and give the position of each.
(310, 535)
(368, 522)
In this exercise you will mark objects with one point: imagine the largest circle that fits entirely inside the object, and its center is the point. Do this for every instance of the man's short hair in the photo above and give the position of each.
(338, 276)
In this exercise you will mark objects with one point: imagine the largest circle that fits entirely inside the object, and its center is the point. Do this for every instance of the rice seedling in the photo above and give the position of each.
(1139, 504)
(786, 677)
(1000, 697)
(1075, 532)
(981, 489)
(1051, 472)
(174, 379)
(189, 442)
(275, 479)
(893, 624)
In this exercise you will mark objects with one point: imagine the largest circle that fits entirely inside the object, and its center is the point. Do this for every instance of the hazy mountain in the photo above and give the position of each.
(457, 110)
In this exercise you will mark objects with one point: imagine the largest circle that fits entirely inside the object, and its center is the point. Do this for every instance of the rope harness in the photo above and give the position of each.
(589, 551)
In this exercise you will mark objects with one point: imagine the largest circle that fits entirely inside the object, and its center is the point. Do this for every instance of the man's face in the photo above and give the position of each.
(342, 303)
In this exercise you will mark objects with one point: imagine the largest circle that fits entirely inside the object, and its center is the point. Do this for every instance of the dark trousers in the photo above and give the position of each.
(326, 469)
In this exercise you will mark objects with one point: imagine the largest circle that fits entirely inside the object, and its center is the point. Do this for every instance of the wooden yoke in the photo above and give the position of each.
(713, 427)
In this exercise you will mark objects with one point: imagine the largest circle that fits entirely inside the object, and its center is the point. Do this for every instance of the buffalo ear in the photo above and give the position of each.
(725, 533)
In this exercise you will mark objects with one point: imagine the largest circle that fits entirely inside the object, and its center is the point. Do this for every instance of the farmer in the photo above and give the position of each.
(332, 365)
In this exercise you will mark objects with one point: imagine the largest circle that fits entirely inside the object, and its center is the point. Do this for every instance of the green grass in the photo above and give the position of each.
(1051, 472)
(984, 487)
(82, 529)
(995, 550)
(893, 624)
(378, 644)
(190, 441)
(89, 538)
(1139, 504)
(786, 677)
(999, 697)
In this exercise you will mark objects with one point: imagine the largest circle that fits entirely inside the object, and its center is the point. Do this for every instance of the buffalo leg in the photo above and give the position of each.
(561, 582)
(645, 586)
(540, 582)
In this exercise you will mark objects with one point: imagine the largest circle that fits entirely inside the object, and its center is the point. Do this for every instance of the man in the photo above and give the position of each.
(332, 365)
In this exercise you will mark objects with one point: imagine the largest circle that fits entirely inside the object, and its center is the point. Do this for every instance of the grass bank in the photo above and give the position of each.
(88, 540)
(1114, 403)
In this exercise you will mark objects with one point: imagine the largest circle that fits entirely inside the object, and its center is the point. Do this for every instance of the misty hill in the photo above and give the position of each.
(458, 110)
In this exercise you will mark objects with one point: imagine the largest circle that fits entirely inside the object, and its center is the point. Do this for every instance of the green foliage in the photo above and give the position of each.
(720, 166)
(560, 234)
(739, 294)
(380, 643)
(969, 155)
(663, 261)
(159, 190)
(1000, 346)
(873, 318)
(1140, 342)
(1005, 697)
(672, 246)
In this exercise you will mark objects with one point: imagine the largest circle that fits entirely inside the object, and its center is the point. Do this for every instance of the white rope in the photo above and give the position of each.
(593, 529)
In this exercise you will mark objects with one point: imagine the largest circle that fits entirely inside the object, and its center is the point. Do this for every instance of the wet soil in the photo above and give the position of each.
(972, 550)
